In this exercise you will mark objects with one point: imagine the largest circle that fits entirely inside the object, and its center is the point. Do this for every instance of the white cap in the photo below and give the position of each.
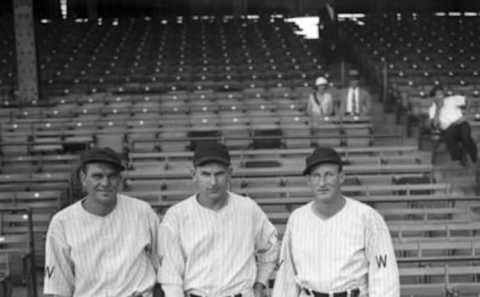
(321, 81)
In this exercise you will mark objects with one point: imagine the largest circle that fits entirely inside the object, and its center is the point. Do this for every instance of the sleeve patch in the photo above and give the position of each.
(49, 271)
(381, 261)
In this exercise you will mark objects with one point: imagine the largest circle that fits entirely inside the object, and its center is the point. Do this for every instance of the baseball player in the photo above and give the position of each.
(216, 243)
(104, 245)
(334, 245)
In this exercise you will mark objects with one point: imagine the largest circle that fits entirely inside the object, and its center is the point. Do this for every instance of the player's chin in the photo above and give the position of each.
(216, 194)
(106, 196)
(323, 194)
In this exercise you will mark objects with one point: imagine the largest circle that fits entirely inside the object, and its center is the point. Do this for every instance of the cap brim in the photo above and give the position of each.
(203, 161)
(113, 163)
(313, 165)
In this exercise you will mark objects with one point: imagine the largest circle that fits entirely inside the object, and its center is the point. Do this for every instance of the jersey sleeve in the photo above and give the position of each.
(172, 265)
(59, 275)
(285, 280)
(266, 248)
(383, 276)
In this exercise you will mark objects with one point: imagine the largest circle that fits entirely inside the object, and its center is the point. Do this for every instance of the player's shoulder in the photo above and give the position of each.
(63, 217)
(360, 207)
(68, 212)
(301, 212)
(241, 200)
(368, 214)
(182, 205)
(179, 213)
(180, 209)
(133, 203)
(246, 205)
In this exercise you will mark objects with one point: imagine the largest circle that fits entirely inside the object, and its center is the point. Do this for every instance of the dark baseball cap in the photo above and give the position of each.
(322, 155)
(102, 155)
(211, 152)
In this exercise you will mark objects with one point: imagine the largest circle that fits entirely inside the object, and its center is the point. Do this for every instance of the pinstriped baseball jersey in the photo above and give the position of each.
(352, 249)
(88, 255)
(212, 253)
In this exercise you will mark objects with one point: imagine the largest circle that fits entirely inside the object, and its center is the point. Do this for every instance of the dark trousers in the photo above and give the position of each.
(458, 139)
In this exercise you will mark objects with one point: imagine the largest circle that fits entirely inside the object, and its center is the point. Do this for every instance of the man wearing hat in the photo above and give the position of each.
(106, 243)
(354, 100)
(335, 246)
(320, 102)
(216, 243)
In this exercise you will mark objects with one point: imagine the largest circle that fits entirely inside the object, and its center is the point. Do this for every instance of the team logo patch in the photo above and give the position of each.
(381, 261)
(49, 271)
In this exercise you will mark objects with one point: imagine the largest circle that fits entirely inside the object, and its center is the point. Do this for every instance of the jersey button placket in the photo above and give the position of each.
(108, 255)
(217, 235)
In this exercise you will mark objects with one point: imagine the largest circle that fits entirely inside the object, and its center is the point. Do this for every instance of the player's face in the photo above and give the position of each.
(212, 180)
(101, 181)
(325, 181)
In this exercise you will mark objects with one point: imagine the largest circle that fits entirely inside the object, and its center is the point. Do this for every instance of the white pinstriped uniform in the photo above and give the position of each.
(112, 256)
(212, 253)
(352, 249)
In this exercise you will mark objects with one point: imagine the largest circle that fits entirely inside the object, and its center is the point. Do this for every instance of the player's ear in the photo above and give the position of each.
(82, 175)
(341, 176)
(308, 179)
(193, 171)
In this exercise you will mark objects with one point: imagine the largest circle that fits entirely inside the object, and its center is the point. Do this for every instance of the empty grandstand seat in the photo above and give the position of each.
(267, 137)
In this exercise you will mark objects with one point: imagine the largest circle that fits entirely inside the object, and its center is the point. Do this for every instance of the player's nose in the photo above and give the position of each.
(321, 181)
(212, 180)
(105, 182)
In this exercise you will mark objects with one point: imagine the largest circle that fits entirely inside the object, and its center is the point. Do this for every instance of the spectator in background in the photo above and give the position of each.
(354, 100)
(320, 102)
(446, 115)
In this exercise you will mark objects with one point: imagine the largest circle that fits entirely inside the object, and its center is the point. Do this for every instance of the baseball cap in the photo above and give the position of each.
(102, 155)
(353, 73)
(319, 156)
(321, 81)
(211, 152)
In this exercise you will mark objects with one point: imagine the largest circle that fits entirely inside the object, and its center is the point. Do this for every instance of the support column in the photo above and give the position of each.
(240, 7)
(27, 76)
(92, 9)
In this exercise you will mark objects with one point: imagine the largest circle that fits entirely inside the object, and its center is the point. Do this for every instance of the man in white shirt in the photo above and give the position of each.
(105, 244)
(354, 100)
(216, 243)
(334, 245)
(446, 114)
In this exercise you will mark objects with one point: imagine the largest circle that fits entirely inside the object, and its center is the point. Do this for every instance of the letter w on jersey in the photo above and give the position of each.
(381, 261)
(49, 271)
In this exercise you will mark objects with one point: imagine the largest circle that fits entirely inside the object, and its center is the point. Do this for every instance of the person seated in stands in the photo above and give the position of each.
(320, 102)
(417, 109)
(354, 100)
(446, 115)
